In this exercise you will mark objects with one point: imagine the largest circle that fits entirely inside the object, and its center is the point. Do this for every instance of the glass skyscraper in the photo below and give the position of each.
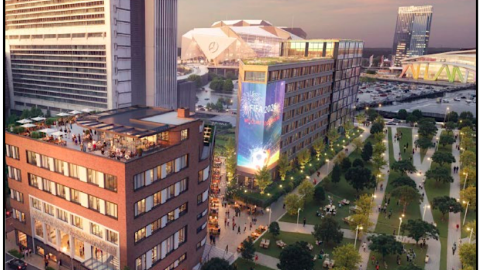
(412, 32)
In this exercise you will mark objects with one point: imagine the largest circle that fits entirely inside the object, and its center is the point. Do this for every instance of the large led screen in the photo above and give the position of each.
(260, 124)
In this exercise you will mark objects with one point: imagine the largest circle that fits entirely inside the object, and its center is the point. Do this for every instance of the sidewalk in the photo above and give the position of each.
(33, 260)
(454, 235)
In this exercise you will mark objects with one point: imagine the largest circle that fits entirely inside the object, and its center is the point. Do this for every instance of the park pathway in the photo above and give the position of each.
(434, 246)
(454, 235)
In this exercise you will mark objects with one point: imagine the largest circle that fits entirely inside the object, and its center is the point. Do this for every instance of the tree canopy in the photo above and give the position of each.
(417, 113)
(468, 254)
(403, 166)
(318, 146)
(446, 204)
(452, 116)
(274, 229)
(446, 138)
(406, 194)
(283, 167)
(358, 163)
(358, 143)
(306, 189)
(319, 194)
(361, 117)
(346, 164)
(442, 157)
(346, 257)
(439, 174)
(264, 178)
(248, 250)
(385, 245)
(376, 128)
(367, 151)
(217, 264)
(296, 256)
(328, 230)
(469, 195)
(403, 181)
(402, 114)
(468, 158)
(360, 178)
(418, 229)
(292, 203)
(336, 173)
(303, 157)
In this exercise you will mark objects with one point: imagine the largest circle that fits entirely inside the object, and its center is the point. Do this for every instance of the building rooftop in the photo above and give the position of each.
(270, 61)
(326, 40)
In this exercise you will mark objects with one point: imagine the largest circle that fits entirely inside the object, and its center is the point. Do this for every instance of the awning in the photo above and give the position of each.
(24, 121)
(75, 112)
(47, 130)
(63, 114)
(38, 118)
(58, 133)
(28, 125)
(87, 110)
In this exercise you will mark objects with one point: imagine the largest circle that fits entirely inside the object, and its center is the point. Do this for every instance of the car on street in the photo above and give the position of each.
(17, 264)
(394, 122)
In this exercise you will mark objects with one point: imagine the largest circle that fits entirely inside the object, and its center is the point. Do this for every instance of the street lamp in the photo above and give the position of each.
(269, 214)
(465, 182)
(328, 165)
(471, 232)
(424, 210)
(356, 234)
(374, 197)
(298, 216)
(466, 211)
(446, 112)
(399, 225)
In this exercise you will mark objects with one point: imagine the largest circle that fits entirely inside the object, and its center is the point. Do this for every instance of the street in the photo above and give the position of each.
(8, 258)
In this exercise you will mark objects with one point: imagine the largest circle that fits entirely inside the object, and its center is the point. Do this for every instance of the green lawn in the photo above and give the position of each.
(406, 138)
(391, 260)
(243, 264)
(291, 238)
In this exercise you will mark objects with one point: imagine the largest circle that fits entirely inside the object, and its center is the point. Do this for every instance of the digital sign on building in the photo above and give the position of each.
(260, 124)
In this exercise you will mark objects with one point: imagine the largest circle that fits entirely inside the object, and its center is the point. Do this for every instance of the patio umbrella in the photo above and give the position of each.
(28, 125)
(59, 133)
(87, 110)
(38, 118)
(63, 114)
(24, 121)
(47, 130)
(74, 112)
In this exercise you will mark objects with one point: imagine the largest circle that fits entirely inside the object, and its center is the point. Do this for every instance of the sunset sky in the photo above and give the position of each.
(373, 21)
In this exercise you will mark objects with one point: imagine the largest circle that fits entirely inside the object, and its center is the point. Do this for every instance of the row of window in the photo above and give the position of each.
(161, 223)
(63, 100)
(86, 200)
(100, 179)
(14, 173)
(160, 172)
(289, 101)
(60, 47)
(55, 80)
(12, 151)
(18, 215)
(75, 20)
(177, 262)
(160, 251)
(71, 219)
(25, 18)
(73, 77)
(67, 92)
(16, 67)
(203, 174)
(300, 134)
(57, 36)
(16, 195)
(202, 197)
(306, 143)
(14, 7)
(147, 204)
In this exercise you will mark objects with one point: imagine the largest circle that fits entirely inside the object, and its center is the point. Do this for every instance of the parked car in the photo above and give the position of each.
(17, 264)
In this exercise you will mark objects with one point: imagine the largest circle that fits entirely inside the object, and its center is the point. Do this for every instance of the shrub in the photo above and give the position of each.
(319, 194)
(15, 253)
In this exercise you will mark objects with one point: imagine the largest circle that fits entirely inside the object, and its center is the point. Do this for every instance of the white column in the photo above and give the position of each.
(65, 168)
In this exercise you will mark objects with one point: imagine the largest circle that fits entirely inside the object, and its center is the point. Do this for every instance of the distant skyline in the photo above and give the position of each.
(373, 21)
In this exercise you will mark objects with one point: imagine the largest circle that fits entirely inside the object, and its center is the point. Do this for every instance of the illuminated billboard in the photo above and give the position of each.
(260, 124)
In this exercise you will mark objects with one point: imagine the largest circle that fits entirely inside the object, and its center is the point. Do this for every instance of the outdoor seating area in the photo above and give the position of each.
(281, 244)
(265, 243)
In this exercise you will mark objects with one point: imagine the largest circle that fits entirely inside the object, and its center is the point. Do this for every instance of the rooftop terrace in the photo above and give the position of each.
(270, 61)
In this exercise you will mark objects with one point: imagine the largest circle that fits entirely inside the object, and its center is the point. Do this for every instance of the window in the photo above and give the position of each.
(92, 177)
(200, 176)
(39, 228)
(73, 170)
(12, 151)
(255, 76)
(141, 262)
(184, 134)
(77, 221)
(182, 209)
(140, 234)
(45, 162)
(163, 136)
(111, 209)
(199, 198)
(156, 225)
(48, 208)
(183, 185)
(169, 244)
(51, 234)
(36, 204)
(20, 216)
(31, 157)
(170, 192)
(170, 216)
(183, 162)
(16, 195)
(96, 230)
(181, 236)
(93, 203)
(14, 173)
(47, 185)
(199, 216)
(140, 207)
(58, 165)
(74, 195)
(170, 167)
(61, 191)
(62, 215)
(139, 180)
(111, 182)
(112, 236)
(157, 198)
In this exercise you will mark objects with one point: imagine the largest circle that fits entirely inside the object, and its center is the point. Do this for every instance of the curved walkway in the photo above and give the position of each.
(454, 235)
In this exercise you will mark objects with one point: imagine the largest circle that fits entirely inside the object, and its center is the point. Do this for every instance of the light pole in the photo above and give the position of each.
(466, 211)
(471, 232)
(298, 216)
(356, 234)
(436, 143)
(374, 197)
(445, 118)
(399, 225)
(269, 215)
(328, 165)
(465, 182)
(424, 210)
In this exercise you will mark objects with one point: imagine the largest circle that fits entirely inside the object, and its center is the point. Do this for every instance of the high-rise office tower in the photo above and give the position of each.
(71, 55)
(412, 32)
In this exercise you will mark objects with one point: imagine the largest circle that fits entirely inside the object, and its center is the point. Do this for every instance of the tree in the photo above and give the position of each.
(340, 157)
(367, 151)
(346, 257)
(292, 203)
(466, 132)
(468, 158)
(385, 245)
(283, 167)
(346, 164)
(306, 189)
(231, 162)
(402, 114)
(248, 250)
(378, 162)
(449, 126)
(418, 229)
(403, 181)
(426, 127)
(358, 143)
(219, 106)
(470, 174)
(465, 123)
(230, 75)
(348, 127)
(328, 230)
(406, 195)
(379, 148)
(365, 203)
(446, 138)
(296, 256)
(227, 85)
(418, 114)
(439, 174)
(303, 157)
(446, 204)
(371, 115)
(319, 194)
(195, 78)
(410, 266)
(452, 116)
(360, 118)
(466, 115)
(403, 166)
(359, 220)
(376, 128)
(378, 137)
(217, 264)
(411, 118)
(468, 254)
(442, 157)
(360, 178)
(318, 146)
(336, 173)
(332, 136)
(467, 143)
(264, 178)
(472, 225)
(274, 229)
(358, 163)
(424, 143)
(469, 195)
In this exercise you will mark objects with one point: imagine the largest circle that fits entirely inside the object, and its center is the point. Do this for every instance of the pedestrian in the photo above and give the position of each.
(226, 249)
(283, 206)
(457, 227)
(225, 223)
(214, 240)
(245, 229)
(453, 250)
(228, 222)
(394, 230)
(238, 231)
(256, 258)
(304, 222)
(373, 259)
(364, 245)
